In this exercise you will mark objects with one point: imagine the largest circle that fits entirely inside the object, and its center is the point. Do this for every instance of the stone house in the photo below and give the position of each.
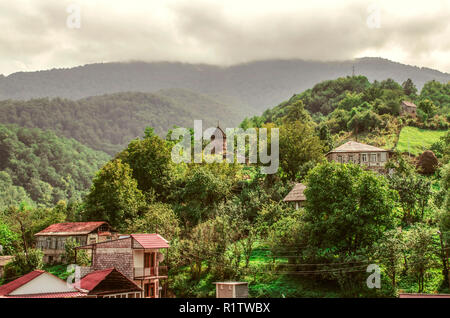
(137, 256)
(52, 239)
(408, 108)
(367, 156)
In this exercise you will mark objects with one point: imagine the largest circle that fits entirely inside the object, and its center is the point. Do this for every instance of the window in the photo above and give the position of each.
(340, 159)
(364, 157)
(373, 157)
(149, 260)
(350, 158)
(149, 290)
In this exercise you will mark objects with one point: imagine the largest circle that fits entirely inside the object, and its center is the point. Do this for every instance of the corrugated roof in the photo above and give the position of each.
(296, 193)
(412, 295)
(409, 104)
(151, 240)
(71, 228)
(12, 286)
(353, 146)
(51, 295)
(92, 279)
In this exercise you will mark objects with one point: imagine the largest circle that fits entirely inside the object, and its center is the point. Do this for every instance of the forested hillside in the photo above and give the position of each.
(257, 84)
(109, 122)
(39, 167)
(352, 107)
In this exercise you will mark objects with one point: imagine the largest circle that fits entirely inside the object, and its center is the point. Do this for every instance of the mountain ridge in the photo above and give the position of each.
(258, 85)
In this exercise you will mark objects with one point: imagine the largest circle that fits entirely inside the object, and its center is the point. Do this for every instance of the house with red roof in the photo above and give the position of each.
(137, 256)
(39, 284)
(52, 239)
(108, 283)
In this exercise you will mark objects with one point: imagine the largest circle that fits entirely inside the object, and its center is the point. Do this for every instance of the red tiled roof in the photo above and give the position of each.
(406, 295)
(70, 228)
(92, 279)
(12, 286)
(151, 240)
(51, 295)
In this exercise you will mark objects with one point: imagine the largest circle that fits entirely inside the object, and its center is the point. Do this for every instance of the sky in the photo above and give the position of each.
(46, 34)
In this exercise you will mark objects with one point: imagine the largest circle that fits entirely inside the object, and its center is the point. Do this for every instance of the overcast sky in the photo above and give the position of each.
(43, 34)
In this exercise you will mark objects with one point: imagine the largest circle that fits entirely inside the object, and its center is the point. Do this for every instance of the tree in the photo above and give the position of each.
(23, 263)
(114, 196)
(8, 239)
(427, 162)
(82, 257)
(423, 251)
(427, 107)
(298, 146)
(156, 218)
(409, 88)
(390, 251)
(150, 162)
(347, 208)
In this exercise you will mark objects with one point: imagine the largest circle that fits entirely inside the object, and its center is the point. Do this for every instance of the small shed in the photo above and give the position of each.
(408, 108)
(231, 290)
(296, 195)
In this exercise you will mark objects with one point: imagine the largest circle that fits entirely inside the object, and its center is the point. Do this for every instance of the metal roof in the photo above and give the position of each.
(71, 228)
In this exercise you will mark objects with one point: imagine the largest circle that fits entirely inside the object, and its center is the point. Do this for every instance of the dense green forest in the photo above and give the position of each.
(257, 85)
(109, 122)
(39, 167)
(227, 221)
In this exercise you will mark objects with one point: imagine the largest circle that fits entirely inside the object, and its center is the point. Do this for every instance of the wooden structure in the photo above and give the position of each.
(52, 239)
(408, 108)
(296, 195)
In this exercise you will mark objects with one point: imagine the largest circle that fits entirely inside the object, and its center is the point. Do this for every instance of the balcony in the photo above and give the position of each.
(149, 272)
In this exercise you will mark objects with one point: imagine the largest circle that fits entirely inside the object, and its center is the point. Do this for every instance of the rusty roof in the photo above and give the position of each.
(50, 295)
(71, 228)
(353, 146)
(150, 240)
(296, 193)
(12, 286)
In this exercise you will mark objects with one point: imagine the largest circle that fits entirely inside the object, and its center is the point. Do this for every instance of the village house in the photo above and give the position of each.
(52, 239)
(371, 157)
(109, 283)
(137, 256)
(408, 108)
(38, 284)
(296, 195)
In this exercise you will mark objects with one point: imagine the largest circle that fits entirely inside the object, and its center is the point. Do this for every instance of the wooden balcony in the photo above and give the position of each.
(150, 272)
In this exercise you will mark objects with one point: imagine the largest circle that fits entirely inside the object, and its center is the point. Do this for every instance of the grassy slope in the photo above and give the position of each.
(416, 140)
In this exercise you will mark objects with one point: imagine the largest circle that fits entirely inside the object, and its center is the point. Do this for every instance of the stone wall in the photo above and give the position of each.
(117, 253)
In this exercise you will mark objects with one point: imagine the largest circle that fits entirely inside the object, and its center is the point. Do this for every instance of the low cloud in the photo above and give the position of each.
(35, 35)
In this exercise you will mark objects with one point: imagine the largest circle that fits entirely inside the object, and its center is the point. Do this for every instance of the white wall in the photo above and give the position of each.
(44, 283)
